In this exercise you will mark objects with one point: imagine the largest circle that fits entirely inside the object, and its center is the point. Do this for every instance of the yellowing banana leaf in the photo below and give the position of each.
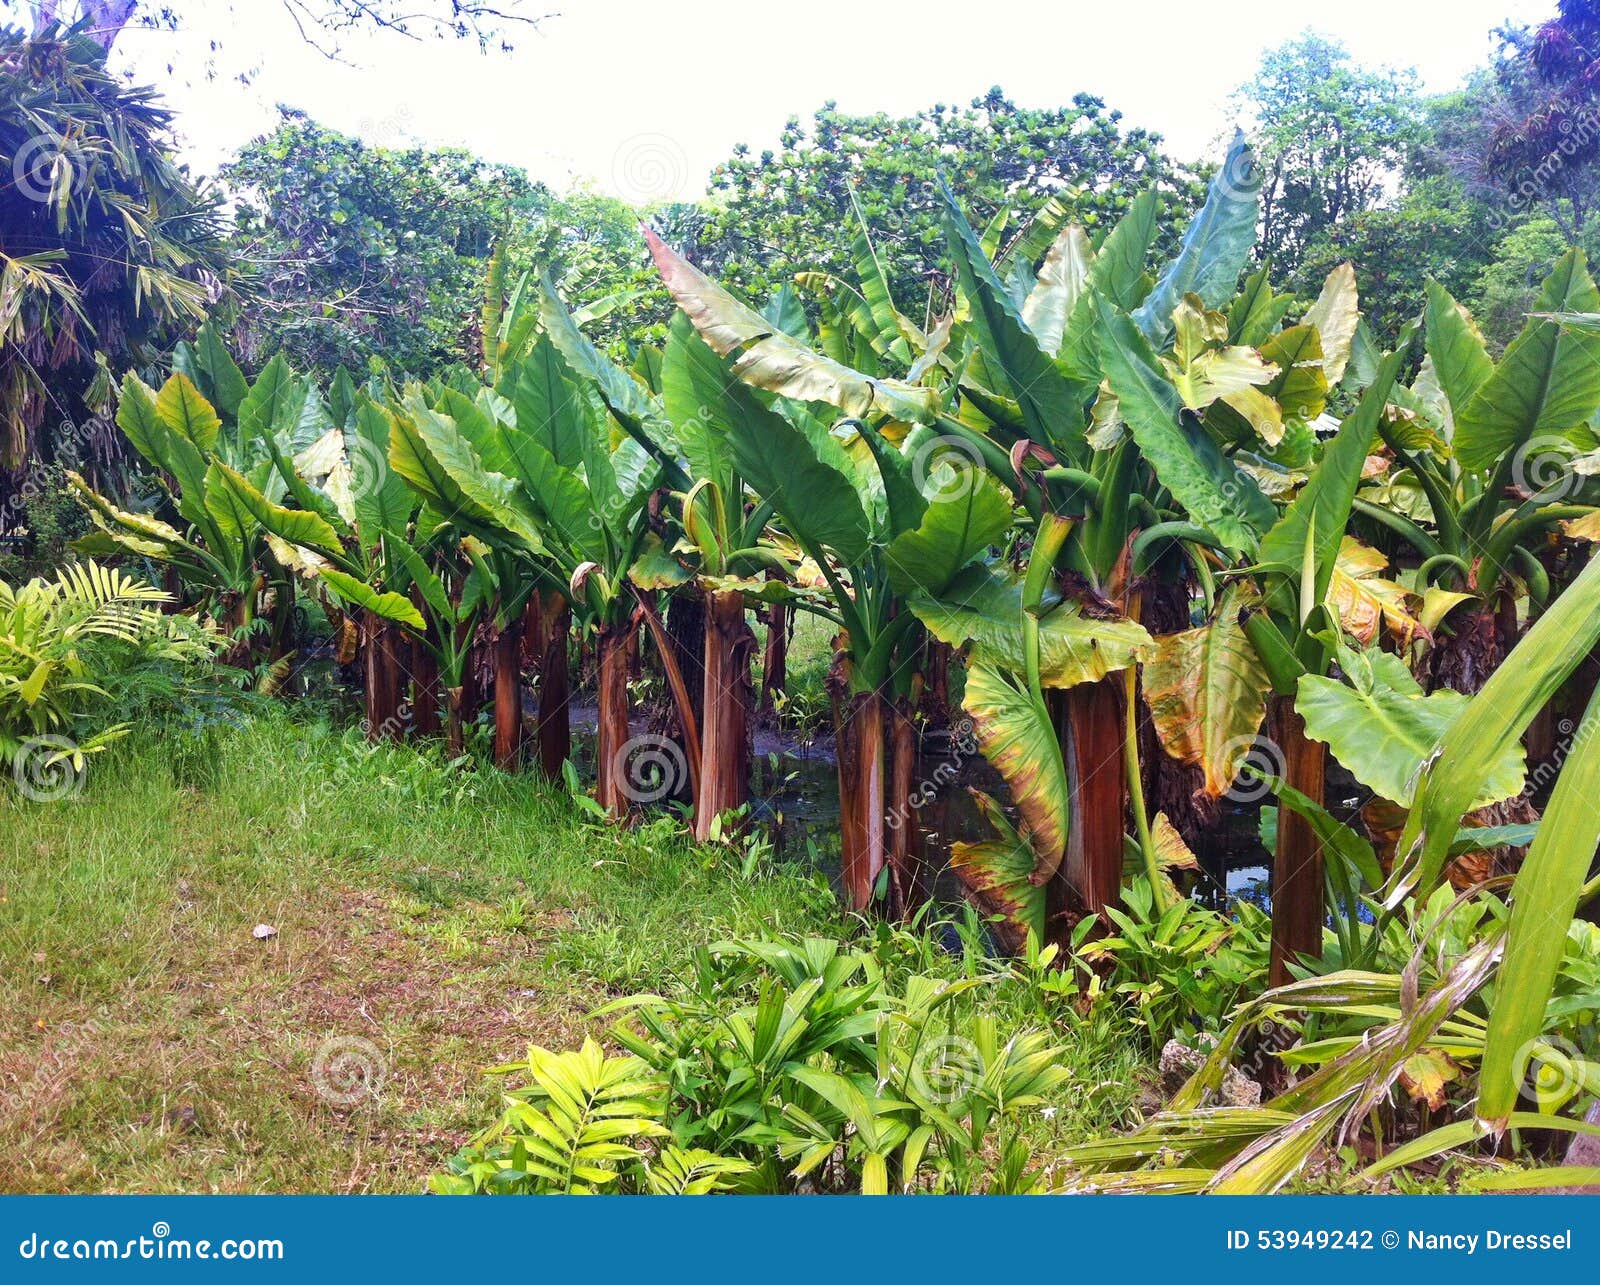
(1336, 314)
(1207, 693)
(1063, 277)
(1209, 487)
(770, 359)
(1016, 734)
(386, 606)
(1365, 600)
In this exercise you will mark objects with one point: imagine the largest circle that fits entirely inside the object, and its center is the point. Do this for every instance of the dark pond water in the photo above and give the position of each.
(795, 791)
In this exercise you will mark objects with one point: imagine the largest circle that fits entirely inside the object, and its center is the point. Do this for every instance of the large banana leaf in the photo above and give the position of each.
(960, 523)
(1382, 729)
(1214, 248)
(1063, 279)
(1053, 406)
(386, 605)
(1548, 381)
(298, 526)
(1543, 901)
(770, 359)
(1015, 732)
(1211, 489)
(1498, 714)
(803, 474)
(1323, 505)
(1207, 694)
(984, 608)
(1336, 314)
(1461, 361)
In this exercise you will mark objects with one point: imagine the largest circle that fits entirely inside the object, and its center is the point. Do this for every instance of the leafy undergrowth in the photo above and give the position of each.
(429, 923)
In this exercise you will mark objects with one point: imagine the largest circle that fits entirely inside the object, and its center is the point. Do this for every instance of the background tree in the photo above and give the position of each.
(791, 208)
(1541, 138)
(109, 250)
(1332, 138)
(365, 256)
(322, 23)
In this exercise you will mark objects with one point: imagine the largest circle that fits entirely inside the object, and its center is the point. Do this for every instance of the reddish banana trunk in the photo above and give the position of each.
(879, 826)
(508, 697)
(555, 732)
(861, 790)
(1297, 893)
(382, 678)
(610, 751)
(725, 738)
(1097, 779)
(906, 876)
(424, 689)
(775, 660)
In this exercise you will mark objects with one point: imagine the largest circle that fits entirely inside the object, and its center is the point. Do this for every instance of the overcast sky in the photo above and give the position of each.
(643, 99)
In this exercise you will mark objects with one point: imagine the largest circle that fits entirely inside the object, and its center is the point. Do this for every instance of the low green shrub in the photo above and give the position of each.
(780, 1066)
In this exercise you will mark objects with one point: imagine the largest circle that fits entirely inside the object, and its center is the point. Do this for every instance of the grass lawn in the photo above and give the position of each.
(429, 923)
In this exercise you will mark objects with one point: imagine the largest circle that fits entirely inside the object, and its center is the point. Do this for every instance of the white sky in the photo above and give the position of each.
(642, 99)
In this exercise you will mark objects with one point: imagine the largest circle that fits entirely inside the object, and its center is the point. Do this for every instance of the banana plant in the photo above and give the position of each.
(874, 512)
(1490, 460)
(219, 553)
(529, 468)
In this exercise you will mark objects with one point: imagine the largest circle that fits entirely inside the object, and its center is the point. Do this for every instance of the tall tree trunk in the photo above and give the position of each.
(1097, 778)
(508, 697)
(613, 645)
(555, 732)
(1297, 892)
(935, 702)
(725, 724)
